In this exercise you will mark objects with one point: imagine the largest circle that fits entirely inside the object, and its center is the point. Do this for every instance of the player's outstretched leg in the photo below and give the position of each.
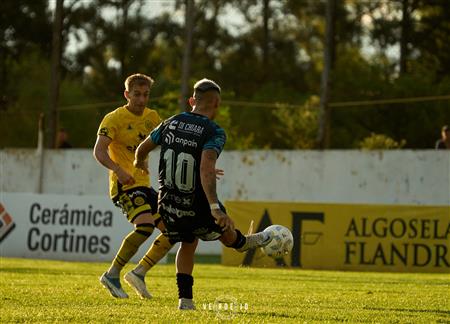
(236, 240)
(256, 240)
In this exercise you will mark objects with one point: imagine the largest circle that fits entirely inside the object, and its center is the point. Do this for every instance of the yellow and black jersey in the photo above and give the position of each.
(127, 131)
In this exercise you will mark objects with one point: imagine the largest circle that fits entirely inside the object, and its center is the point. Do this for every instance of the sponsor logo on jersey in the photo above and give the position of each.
(177, 212)
(194, 128)
(173, 124)
(171, 138)
(186, 201)
(186, 142)
(103, 131)
(190, 128)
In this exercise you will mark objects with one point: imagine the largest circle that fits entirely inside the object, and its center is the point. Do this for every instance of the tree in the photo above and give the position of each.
(53, 116)
(186, 67)
(324, 114)
(24, 27)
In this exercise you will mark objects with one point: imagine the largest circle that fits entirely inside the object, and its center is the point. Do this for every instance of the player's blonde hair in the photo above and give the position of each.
(138, 79)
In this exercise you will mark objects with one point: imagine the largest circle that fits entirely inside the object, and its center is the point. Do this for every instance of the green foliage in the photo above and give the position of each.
(236, 140)
(81, 121)
(369, 81)
(55, 291)
(380, 142)
(280, 67)
(28, 99)
(296, 127)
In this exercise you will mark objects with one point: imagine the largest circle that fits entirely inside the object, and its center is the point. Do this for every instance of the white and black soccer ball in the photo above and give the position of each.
(281, 243)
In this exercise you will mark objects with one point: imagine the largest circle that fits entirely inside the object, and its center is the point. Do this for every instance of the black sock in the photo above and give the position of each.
(185, 283)
(240, 240)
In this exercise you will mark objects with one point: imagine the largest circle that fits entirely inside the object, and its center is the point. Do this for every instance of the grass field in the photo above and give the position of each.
(55, 291)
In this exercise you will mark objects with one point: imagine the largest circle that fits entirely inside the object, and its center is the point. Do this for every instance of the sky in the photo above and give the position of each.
(154, 8)
(232, 19)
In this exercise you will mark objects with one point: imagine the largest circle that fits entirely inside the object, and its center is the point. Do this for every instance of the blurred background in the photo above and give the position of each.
(295, 74)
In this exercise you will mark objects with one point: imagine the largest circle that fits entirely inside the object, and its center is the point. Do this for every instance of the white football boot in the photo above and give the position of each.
(137, 282)
(256, 240)
(113, 285)
(186, 304)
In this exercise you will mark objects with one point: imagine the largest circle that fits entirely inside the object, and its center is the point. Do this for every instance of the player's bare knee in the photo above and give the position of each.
(160, 224)
(189, 246)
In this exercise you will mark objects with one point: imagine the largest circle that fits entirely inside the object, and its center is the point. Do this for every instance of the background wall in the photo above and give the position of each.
(376, 177)
(370, 177)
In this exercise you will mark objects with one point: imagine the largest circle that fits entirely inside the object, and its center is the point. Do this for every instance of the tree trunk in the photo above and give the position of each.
(124, 6)
(323, 136)
(404, 38)
(53, 114)
(186, 67)
(266, 36)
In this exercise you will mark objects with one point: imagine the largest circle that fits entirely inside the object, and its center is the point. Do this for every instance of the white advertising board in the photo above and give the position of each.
(68, 227)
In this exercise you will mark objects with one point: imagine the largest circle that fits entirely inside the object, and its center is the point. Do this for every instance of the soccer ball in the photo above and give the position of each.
(282, 242)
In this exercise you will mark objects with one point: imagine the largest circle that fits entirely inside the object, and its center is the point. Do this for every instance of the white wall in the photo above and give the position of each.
(379, 177)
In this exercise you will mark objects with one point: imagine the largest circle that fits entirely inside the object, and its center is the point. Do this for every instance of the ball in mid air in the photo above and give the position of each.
(281, 243)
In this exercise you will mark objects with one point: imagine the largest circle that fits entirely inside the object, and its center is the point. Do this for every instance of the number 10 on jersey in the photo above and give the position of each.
(179, 171)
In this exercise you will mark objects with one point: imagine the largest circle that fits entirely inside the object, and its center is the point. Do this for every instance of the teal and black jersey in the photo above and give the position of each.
(183, 138)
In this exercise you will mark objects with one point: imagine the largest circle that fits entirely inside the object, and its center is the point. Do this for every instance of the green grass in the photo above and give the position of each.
(199, 258)
(56, 291)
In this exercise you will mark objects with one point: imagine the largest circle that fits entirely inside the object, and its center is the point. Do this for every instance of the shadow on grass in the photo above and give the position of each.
(46, 271)
(33, 271)
(407, 310)
(269, 314)
(198, 258)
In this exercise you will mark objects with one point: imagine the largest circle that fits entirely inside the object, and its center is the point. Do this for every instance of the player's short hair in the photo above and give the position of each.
(138, 79)
(205, 85)
(445, 128)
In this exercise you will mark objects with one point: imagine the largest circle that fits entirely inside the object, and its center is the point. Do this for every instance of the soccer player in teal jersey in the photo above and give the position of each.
(190, 144)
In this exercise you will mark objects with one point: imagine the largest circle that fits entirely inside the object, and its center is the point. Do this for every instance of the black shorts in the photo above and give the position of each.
(137, 201)
(188, 228)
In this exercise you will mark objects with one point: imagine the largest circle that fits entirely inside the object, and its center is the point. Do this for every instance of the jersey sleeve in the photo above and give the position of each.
(107, 127)
(155, 135)
(217, 141)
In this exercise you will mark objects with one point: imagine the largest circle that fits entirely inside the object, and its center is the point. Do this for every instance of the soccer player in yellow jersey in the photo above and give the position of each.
(119, 134)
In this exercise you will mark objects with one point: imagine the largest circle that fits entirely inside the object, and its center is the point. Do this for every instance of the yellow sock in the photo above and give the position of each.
(158, 249)
(131, 244)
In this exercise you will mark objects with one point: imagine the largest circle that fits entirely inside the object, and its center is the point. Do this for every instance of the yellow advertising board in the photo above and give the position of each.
(349, 237)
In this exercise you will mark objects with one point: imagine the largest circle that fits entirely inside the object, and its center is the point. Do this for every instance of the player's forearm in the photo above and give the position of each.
(208, 175)
(103, 158)
(144, 149)
(208, 178)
